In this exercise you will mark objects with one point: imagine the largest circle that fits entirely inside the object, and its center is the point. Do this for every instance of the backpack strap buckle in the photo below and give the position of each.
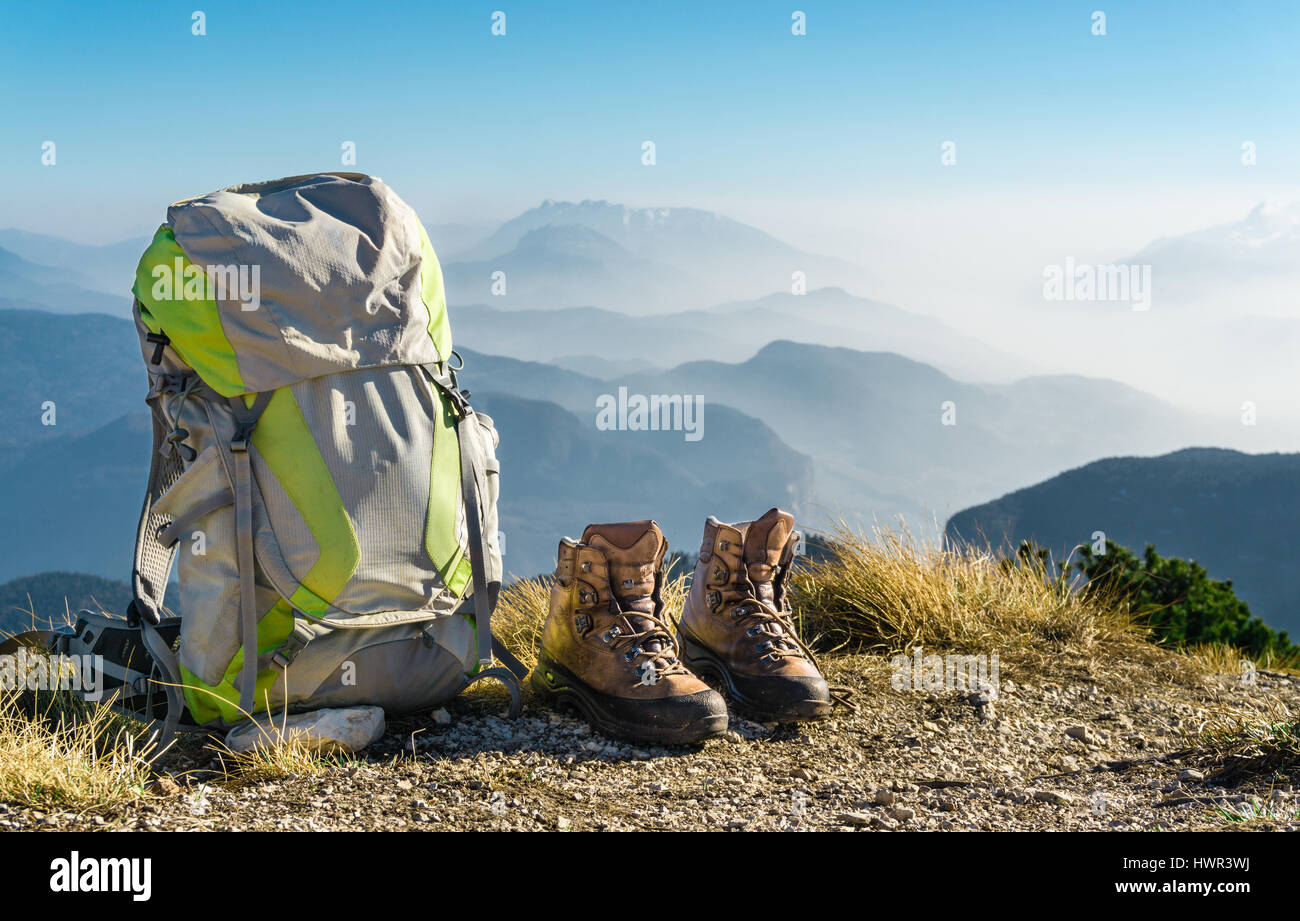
(283, 657)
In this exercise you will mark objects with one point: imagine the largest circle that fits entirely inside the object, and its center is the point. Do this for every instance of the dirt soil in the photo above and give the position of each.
(1074, 753)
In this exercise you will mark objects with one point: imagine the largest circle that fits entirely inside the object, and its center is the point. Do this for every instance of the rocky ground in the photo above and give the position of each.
(1073, 753)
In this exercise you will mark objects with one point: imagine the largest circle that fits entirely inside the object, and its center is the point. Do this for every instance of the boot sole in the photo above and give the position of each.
(558, 685)
(702, 661)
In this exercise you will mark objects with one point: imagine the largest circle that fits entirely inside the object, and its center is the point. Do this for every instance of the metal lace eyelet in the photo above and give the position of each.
(586, 565)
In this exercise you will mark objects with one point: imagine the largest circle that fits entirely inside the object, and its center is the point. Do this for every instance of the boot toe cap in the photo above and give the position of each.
(781, 698)
(679, 719)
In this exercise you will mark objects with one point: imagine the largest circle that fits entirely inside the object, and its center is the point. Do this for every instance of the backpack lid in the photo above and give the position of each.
(262, 285)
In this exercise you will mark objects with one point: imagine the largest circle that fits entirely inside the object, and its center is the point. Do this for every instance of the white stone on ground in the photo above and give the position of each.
(328, 731)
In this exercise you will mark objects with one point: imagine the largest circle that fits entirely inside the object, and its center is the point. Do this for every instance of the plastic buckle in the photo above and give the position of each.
(239, 443)
(283, 657)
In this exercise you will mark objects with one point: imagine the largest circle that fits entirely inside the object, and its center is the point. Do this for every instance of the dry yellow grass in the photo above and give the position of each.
(889, 593)
(275, 759)
(57, 751)
(1222, 659)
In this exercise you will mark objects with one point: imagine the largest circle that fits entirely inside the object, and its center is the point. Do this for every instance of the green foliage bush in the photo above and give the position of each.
(1176, 598)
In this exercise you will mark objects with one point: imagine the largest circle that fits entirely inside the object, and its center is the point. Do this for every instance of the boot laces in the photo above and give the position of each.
(785, 641)
(765, 620)
(653, 662)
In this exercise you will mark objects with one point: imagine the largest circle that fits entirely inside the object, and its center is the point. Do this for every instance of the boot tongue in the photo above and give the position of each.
(633, 551)
(764, 543)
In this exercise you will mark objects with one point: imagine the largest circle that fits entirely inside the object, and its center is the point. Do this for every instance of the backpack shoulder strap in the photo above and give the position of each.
(472, 472)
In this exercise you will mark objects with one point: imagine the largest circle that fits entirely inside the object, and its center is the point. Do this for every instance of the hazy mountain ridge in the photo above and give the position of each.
(567, 265)
(1251, 265)
(874, 422)
(683, 258)
(734, 331)
(53, 288)
(109, 268)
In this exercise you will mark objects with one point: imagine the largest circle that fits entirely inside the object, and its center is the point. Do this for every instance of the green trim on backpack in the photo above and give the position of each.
(284, 441)
(435, 297)
(208, 703)
(176, 297)
(440, 540)
(286, 444)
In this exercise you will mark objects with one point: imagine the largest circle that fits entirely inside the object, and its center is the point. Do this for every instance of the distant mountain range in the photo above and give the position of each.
(29, 285)
(109, 269)
(1235, 514)
(731, 332)
(1249, 266)
(559, 474)
(827, 431)
(646, 260)
(874, 422)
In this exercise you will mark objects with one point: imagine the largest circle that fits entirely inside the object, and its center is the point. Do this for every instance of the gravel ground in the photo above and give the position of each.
(1064, 755)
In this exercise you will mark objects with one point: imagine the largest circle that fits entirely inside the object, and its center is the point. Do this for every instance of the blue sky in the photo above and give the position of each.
(468, 126)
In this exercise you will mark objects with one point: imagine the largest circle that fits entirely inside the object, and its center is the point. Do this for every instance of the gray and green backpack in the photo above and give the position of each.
(318, 476)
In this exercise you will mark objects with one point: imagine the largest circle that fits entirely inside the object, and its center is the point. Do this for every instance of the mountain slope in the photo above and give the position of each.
(88, 366)
(1233, 513)
(73, 502)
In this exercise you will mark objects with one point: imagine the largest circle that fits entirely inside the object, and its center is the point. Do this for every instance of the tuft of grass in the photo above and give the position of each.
(58, 751)
(520, 613)
(1236, 746)
(1229, 661)
(277, 753)
(277, 758)
(888, 592)
(1254, 811)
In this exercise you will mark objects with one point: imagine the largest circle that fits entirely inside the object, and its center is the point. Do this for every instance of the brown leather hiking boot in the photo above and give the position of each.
(607, 649)
(736, 623)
